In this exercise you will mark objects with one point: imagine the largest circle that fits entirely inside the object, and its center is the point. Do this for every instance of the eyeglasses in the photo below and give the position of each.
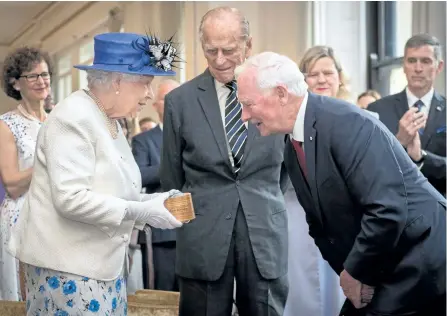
(34, 77)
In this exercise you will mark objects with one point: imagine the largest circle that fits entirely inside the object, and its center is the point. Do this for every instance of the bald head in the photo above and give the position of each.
(163, 89)
(226, 15)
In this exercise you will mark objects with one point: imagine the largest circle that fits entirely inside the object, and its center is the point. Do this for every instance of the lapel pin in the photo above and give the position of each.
(310, 138)
(438, 108)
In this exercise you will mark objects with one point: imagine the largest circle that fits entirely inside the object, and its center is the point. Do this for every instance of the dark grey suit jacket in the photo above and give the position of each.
(433, 140)
(146, 148)
(195, 159)
(369, 209)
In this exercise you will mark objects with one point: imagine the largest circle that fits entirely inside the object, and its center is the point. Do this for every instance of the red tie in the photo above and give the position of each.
(300, 155)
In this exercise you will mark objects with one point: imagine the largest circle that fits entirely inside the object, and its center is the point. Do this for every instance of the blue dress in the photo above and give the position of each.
(50, 292)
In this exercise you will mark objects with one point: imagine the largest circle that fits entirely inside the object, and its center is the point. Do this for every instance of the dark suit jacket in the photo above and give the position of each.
(146, 148)
(195, 159)
(369, 209)
(433, 140)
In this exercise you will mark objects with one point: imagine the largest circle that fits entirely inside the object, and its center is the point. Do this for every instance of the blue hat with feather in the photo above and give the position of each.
(133, 54)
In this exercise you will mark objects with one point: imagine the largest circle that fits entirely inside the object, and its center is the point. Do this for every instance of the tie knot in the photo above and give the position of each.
(418, 104)
(231, 85)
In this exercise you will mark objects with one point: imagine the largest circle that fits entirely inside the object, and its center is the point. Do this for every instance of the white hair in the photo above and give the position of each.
(273, 70)
(104, 79)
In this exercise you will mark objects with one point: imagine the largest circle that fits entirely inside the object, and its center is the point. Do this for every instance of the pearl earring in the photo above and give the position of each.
(117, 92)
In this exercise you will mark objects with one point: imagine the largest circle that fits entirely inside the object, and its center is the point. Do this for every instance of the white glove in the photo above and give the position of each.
(153, 212)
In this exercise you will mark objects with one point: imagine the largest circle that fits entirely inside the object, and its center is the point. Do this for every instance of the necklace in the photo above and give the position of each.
(26, 114)
(111, 123)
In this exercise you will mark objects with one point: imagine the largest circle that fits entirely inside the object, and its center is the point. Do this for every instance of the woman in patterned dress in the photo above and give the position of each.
(84, 200)
(26, 78)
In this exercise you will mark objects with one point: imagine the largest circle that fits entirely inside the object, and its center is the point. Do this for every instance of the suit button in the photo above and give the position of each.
(331, 241)
(228, 216)
(125, 237)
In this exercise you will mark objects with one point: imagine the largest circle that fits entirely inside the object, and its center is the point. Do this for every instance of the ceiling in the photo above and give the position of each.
(17, 16)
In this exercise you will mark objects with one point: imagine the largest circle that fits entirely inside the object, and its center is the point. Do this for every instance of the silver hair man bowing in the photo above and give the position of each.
(374, 216)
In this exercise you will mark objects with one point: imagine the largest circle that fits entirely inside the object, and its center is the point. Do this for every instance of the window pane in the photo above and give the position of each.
(404, 25)
(64, 64)
(60, 89)
(86, 52)
(67, 86)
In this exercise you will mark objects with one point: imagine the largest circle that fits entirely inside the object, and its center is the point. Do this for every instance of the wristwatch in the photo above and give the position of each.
(423, 155)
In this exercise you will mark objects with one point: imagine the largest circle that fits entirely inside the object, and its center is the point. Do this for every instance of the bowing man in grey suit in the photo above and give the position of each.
(233, 174)
(375, 218)
(417, 115)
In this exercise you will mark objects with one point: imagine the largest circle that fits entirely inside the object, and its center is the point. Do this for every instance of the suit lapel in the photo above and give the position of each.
(252, 132)
(210, 106)
(158, 137)
(435, 118)
(310, 140)
(401, 104)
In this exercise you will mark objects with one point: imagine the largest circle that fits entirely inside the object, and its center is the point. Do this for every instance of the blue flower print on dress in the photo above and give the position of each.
(93, 306)
(53, 282)
(38, 270)
(118, 285)
(58, 293)
(69, 287)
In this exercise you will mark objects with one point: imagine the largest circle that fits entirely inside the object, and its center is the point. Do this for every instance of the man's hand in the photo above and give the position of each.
(409, 125)
(359, 294)
(414, 148)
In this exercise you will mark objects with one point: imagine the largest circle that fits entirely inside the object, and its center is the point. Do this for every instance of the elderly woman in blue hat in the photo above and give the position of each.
(84, 198)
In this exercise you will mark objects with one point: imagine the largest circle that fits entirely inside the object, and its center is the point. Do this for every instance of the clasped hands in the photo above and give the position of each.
(151, 210)
(408, 135)
(358, 293)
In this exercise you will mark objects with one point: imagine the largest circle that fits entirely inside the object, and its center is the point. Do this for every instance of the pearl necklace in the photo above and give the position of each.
(26, 114)
(111, 123)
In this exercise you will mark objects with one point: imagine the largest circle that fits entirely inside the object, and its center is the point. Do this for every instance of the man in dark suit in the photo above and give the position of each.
(240, 229)
(375, 218)
(425, 142)
(146, 148)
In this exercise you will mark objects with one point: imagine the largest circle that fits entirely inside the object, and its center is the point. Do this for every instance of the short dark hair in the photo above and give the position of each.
(19, 61)
(423, 39)
(146, 120)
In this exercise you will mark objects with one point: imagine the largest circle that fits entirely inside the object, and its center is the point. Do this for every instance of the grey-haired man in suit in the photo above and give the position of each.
(233, 174)
(373, 215)
(417, 115)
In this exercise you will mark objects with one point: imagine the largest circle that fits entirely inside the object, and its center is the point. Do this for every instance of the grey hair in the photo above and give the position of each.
(104, 79)
(219, 11)
(420, 40)
(273, 70)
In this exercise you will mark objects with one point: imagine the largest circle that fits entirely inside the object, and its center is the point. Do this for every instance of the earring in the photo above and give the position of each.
(117, 92)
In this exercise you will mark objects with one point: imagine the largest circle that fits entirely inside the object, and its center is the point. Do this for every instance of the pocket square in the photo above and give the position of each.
(441, 129)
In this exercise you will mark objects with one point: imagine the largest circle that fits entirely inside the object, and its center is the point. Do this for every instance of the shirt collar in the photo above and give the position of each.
(298, 128)
(426, 98)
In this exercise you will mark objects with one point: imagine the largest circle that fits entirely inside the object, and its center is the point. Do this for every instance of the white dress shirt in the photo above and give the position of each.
(426, 99)
(72, 218)
(298, 128)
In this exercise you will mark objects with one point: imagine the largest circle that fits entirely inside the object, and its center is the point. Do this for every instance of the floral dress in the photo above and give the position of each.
(25, 132)
(50, 292)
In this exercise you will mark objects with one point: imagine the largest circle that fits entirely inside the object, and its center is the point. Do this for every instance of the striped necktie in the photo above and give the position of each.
(234, 127)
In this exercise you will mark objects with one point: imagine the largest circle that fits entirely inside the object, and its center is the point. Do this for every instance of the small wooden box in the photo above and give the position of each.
(181, 207)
